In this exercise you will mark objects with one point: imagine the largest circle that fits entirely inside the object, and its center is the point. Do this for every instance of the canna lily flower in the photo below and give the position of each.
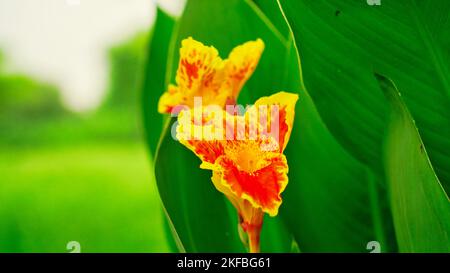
(202, 73)
(246, 158)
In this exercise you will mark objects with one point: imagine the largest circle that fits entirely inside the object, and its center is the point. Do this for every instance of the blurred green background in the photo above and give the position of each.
(83, 177)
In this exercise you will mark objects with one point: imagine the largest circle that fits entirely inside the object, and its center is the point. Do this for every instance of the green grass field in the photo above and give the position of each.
(101, 195)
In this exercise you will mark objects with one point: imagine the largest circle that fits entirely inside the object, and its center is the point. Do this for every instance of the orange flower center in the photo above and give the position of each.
(247, 161)
(247, 155)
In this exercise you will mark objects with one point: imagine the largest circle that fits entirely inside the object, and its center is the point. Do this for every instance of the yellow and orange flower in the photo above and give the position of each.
(202, 73)
(245, 153)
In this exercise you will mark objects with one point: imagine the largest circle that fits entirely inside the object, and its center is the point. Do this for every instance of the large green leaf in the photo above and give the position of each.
(153, 86)
(421, 208)
(341, 43)
(272, 12)
(333, 203)
(155, 73)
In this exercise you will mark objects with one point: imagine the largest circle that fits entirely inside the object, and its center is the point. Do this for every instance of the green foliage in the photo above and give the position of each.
(405, 40)
(21, 96)
(419, 203)
(346, 186)
(155, 76)
(126, 70)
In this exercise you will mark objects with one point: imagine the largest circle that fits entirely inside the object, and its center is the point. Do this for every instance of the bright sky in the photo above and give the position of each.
(65, 42)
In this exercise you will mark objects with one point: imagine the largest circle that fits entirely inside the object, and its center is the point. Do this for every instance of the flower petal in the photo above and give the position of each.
(286, 102)
(170, 99)
(198, 65)
(198, 135)
(240, 65)
(261, 188)
(200, 73)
